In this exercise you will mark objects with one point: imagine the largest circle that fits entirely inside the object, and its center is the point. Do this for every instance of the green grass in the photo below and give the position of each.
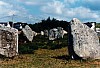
(44, 58)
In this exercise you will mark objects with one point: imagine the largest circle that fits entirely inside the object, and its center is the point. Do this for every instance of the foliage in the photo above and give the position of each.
(97, 25)
(27, 48)
(49, 24)
(41, 42)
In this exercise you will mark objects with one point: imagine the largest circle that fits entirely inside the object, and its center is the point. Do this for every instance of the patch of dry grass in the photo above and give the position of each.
(43, 58)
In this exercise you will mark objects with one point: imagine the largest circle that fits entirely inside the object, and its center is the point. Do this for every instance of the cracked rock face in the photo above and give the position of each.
(85, 40)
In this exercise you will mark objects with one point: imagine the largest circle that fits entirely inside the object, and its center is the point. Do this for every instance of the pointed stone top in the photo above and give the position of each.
(75, 20)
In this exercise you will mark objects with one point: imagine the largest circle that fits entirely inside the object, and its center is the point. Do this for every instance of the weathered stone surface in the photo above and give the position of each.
(56, 33)
(85, 40)
(8, 41)
(60, 32)
(28, 32)
(53, 34)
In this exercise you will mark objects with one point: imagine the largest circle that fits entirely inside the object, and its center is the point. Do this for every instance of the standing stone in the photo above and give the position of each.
(71, 51)
(28, 32)
(53, 34)
(8, 41)
(85, 40)
(46, 33)
(42, 33)
(60, 32)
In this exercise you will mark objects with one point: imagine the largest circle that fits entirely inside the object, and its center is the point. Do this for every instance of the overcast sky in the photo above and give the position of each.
(32, 11)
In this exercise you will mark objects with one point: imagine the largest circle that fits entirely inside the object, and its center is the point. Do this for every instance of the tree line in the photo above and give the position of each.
(49, 24)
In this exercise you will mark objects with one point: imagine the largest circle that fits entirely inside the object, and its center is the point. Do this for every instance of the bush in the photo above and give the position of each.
(42, 43)
(56, 44)
(27, 48)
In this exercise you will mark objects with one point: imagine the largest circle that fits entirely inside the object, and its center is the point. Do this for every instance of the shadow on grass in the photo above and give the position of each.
(66, 57)
(69, 59)
(2, 57)
(63, 57)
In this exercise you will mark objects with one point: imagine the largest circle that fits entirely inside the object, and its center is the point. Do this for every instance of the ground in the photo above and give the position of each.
(44, 58)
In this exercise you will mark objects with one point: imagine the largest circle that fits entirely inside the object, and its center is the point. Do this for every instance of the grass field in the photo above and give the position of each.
(44, 58)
